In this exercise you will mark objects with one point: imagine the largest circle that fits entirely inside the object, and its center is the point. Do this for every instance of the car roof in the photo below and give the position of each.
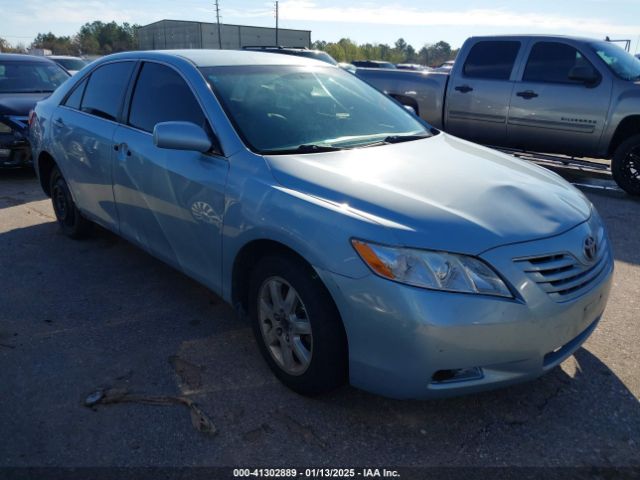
(217, 58)
(537, 37)
(63, 57)
(19, 57)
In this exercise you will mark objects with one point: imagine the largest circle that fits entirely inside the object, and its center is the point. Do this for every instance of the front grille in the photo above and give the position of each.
(562, 275)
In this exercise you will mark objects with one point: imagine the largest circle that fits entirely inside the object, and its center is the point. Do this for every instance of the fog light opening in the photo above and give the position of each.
(457, 375)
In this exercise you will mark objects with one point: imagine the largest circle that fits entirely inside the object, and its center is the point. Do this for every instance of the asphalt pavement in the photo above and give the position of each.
(102, 317)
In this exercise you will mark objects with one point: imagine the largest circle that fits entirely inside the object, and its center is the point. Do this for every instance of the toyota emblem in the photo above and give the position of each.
(590, 248)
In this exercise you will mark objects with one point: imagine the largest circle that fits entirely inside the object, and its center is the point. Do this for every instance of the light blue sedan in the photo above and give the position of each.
(364, 245)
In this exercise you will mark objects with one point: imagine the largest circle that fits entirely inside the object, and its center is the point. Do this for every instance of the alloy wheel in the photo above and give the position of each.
(285, 326)
(632, 165)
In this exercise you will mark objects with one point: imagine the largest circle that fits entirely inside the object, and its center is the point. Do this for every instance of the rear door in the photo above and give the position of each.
(549, 111)
(170, 201)
(82, 130)
(479, 91)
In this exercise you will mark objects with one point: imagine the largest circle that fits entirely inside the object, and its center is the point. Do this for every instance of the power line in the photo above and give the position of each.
(277, 14)
(218, 21)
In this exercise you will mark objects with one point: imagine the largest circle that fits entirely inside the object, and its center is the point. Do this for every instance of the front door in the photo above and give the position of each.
(478, 94)
(170, 201)
(551, 110)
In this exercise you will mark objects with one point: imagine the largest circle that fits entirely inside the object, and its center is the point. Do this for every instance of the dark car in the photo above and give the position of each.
(24, 80)
(296, 51)
(71, 64)
(373, 64)
(412, 66)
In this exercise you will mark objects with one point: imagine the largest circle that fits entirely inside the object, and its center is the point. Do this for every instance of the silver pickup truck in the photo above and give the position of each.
(551, 94)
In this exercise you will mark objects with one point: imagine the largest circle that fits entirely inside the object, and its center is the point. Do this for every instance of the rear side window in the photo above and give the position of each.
(552, 62)
(74, 100)
(491, 60)
(161, 95)
(105, 90)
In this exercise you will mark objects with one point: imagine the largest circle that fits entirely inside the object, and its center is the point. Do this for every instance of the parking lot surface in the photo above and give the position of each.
(78, 317)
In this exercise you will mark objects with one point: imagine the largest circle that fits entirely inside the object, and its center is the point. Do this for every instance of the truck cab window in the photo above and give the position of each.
(553, 62)
(492, 60)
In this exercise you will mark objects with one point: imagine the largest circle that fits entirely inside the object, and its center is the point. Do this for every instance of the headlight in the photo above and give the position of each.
(4, 128)
(434, 270)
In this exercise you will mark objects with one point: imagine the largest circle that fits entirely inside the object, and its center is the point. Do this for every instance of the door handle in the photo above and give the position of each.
(58, 122)
(527, 94)
(464, 88)
(122, 147)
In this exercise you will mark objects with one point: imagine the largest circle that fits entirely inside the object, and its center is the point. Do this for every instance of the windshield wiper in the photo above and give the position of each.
(405, 138)
(395, 139)
(305, 148)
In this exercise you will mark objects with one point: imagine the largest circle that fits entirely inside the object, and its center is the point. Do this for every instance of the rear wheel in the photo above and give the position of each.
(625, 165)
(297, 326)
(71, 221)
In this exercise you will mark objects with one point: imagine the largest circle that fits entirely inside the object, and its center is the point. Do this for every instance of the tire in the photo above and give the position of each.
(71, 221)
(325, 367)
(625, 165)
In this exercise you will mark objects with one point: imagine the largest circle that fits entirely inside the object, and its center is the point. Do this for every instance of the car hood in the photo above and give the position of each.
(440, 193)
(19, 103)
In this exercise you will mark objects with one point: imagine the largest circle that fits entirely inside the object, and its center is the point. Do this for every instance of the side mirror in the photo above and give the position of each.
(584, 74)
(181, 136)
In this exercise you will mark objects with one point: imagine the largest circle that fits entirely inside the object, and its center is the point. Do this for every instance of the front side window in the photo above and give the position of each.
(553, 62)
(30, 77)
(620, 62)
(161, 95)
(492, 60)
(106, 88)
(277, 109)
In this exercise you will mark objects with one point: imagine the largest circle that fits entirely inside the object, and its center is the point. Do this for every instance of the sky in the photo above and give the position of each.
(418, 22)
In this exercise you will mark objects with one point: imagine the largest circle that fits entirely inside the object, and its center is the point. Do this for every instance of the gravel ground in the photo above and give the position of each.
(79, 316)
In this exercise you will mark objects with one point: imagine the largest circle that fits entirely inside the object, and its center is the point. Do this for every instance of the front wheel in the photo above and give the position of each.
(625, 165)
(71, 221)
(297, 325)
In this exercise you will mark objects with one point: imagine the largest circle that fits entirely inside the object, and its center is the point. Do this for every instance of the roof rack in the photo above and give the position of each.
(627, 43)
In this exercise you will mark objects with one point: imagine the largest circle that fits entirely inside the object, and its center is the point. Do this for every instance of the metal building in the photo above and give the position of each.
(173, 34)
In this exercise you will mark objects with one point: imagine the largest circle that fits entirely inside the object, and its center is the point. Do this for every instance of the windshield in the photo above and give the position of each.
(30, 77)
(622, 63)
(278, 108)
(70, 63)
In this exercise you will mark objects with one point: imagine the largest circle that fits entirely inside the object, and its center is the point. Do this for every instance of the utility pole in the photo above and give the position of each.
(277, 43)
(218, 21)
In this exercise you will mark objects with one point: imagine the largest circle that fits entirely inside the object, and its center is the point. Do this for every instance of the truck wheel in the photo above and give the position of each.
(71, 221)
(297, 325)
(625, 165)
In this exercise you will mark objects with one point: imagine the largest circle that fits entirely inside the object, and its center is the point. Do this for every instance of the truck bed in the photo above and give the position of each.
(424, 91)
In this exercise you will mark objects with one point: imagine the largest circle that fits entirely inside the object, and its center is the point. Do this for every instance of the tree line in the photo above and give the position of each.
(345, 50)
(93, 38)
(100, 38)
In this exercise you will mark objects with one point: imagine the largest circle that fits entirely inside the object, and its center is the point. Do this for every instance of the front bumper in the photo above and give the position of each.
(15, 150)
(400, 337)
